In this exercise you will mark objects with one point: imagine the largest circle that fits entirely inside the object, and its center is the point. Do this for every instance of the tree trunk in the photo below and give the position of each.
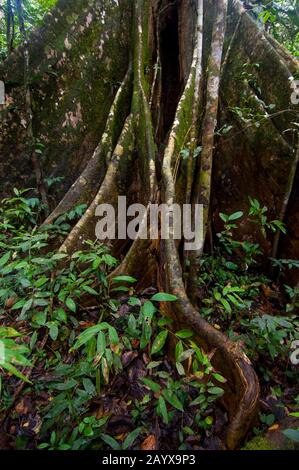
(118, 89)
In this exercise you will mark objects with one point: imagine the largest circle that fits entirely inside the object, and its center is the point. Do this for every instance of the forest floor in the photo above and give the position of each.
(92, 363)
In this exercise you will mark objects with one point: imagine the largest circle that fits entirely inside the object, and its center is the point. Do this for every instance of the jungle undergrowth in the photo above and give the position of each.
(105, 377)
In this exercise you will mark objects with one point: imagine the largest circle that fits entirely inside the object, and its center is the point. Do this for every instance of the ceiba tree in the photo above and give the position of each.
(114, 90)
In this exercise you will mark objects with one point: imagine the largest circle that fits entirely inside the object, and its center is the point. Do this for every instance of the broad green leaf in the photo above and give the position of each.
(173, 400)
(151, 385)
(90, 291)
(153, 364)
(182, 334)
(215, 391)
(71, 304)
(159, 342)
(113, 336)
(185, 355)
(129, 279)
(163, 409)
(53, 330)
(101, 343)
(134, 301)
(146, 335)
(180, 368)
(14, 371)
(224, 217)
(236, 216)
(131, 438)
(4, 259)
(68, 385)
(110, 441)
(8, 332)
(292, 434)
(87, 335)
(163, 297)
(219, 378)
(89, 386)
(179, 349)
(147, 310)
(226, 305)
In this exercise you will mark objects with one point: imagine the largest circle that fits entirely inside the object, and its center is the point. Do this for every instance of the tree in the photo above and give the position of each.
(118, 89)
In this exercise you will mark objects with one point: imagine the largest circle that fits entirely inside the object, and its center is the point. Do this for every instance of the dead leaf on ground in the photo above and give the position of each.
(149, 443)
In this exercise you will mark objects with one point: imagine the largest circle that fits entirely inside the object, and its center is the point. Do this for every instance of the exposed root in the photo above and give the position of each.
(196, 101)
(208, 133)
(107, 193)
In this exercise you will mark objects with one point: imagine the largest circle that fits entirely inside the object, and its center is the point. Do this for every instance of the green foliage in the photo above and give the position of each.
(270, 336)
(233, 292)
(45, 292)
(280, 18)
(259, 217)
(34, 12)
(12, 354)
(292, 434)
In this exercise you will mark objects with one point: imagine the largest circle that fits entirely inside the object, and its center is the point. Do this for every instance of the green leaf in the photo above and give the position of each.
(182, 334)
(216, 391)
(129, 279)
(132, 325)
(153, 364)
(87, 335)
(226, 305)
(111, 442)
(219, 378)
(151, 385)
(134, 301)
(185, 355)
(131, 438)
(224, 217)
(235, 216)
(89, 386)
(159, 342)
(61, 315)
(90, 291)
(164, 321)
(68, 385)
(71, 304)
(180, 368)
(292, 434)
(33, 340)
(4, 259)
(101, 343)
(53, 330)
(14, 371)
(120, 289)
(163, 409)
(147, 310)
(113, 336)
(173, 400)
(179, 349)
(146, 335)
(9, 332)
(163, 297)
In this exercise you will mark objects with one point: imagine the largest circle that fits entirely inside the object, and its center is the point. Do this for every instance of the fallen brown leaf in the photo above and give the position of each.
(149, 443)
